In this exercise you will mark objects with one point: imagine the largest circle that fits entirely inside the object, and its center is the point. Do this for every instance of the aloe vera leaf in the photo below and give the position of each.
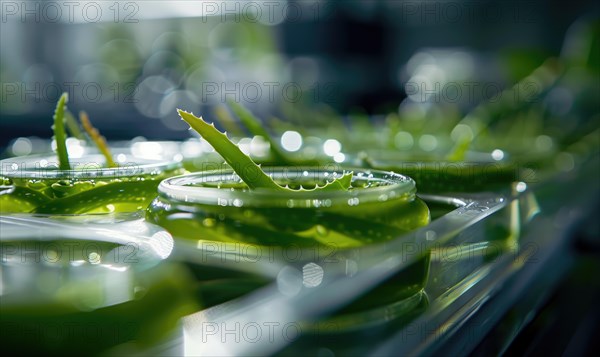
(21, 199)
(254, 125)
(113, 193)
(302, 229)
(72, 126)
(339, 184)
(250, 232)
(243, 165)
(59, 133)
(97, 139)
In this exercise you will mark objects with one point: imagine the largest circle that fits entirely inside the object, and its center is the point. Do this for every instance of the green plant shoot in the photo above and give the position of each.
(60, 135)
(98, 139)
(242, 164)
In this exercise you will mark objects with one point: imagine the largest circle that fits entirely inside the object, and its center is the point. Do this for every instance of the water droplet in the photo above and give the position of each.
(321, 230)
(208, 222)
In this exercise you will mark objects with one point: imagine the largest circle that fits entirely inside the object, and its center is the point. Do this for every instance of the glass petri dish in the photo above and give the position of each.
(379, 206)
(77, 289)
(34, 184)
(319, 231)
(479, 172)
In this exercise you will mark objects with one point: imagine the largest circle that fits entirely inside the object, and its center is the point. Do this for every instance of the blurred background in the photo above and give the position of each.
(131, 64)
(420, 65)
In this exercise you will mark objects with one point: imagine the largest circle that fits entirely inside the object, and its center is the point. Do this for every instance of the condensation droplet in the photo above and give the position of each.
(208, 222)
(321, 230)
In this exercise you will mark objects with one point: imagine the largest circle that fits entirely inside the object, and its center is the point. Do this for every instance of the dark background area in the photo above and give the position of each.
(355, 52)
(349, 56)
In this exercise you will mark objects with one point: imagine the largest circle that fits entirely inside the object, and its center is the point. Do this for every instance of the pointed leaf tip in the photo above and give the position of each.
(60, 135)
(239, 161)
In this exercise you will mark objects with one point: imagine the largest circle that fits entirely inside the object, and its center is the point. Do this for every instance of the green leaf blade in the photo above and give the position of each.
(339, 184)
(60, 134)
(242, 164)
